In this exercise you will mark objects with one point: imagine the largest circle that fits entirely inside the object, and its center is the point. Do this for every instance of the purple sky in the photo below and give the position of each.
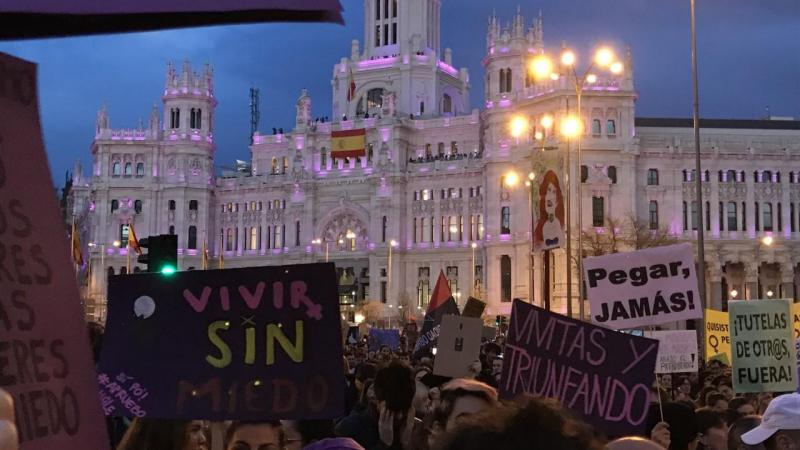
(749, 59)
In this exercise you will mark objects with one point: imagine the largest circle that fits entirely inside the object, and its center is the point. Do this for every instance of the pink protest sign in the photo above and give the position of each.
(40, 18)
(45, 363)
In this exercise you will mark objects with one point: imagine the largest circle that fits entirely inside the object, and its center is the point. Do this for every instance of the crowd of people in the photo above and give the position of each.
(394, 401)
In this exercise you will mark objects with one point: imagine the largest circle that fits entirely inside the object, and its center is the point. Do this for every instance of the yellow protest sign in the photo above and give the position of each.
(717, 335)
(796, 321)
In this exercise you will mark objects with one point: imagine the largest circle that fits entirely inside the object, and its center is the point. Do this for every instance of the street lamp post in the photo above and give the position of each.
(318, 241)
(473, 246)
(392, 244)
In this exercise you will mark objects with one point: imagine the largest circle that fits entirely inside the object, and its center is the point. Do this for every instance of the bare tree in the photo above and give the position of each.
(638, 235)
(621, 235)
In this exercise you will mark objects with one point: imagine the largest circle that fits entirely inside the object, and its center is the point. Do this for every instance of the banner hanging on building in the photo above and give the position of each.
(258, 343)
(348, 143)
(677, 350)
(644, 287)
(602, 375)
(763, 344)
(717, 336)
(45, 361)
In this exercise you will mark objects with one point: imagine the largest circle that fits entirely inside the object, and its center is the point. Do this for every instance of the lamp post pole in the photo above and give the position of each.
(701, 260)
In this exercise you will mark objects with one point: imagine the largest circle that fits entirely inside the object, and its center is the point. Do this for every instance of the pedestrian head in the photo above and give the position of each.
(255, 436)
(780, 425)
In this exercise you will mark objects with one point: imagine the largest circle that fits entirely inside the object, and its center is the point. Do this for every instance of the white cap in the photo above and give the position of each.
(783, 413)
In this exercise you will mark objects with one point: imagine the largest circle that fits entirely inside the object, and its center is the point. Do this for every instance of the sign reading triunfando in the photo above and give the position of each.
(645, 287)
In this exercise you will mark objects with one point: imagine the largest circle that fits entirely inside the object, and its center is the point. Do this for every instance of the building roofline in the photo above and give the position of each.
(680, 122)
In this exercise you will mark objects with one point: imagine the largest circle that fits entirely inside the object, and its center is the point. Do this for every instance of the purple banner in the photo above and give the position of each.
(603, 376)
(42, 18)
(239, 344)
(379, 337)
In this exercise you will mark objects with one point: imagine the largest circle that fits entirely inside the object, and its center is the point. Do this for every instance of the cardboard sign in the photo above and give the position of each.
(603, 376)
(796, 319)
(259, 343)
(38, 18)
(473, 308)
(762, 339)
(717, 336)
(645, 287)
(45, 362)
(459, 346)
(379, 337)
(353, 335)
(677, 350)
(489, 333)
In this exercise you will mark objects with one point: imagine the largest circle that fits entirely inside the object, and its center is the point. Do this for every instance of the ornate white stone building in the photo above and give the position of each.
(432, 179)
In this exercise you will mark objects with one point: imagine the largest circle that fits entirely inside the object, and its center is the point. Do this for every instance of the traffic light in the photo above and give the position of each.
(162, 253)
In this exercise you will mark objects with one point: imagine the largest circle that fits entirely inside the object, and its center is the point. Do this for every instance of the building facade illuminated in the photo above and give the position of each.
(432, 178)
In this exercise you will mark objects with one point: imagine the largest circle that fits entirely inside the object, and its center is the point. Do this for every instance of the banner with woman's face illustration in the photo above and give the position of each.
(550, 207)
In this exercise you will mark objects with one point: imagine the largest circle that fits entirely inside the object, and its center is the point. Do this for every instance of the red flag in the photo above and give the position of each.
(441, 292)
(351, 86)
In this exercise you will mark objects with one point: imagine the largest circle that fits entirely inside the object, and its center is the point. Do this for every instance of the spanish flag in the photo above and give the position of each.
(132, 241)
(77, 254)
(348, 143)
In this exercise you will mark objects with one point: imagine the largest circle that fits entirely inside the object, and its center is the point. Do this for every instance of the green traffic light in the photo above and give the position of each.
(168, 270)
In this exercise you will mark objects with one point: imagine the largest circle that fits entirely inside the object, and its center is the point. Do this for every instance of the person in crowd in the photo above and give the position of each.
(460, 398)
(255, 436)
(314, 434)
(704, 394)
(682, 390)
(712, 428)
(8, 431)
(394, 391)
(633, 443)
(362, 423)
(161, 434)
(780, 425)
(680, 421)
(741, 426)
(739, 407)
(529, 423)
(717, 402)
(355, 390)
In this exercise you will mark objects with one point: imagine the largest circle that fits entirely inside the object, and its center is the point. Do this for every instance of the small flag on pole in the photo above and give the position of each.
(77, 254)
(205, 256)
(132, 241)
(351, 86)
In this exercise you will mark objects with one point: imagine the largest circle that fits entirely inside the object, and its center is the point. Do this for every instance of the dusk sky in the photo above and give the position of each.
(749, 54)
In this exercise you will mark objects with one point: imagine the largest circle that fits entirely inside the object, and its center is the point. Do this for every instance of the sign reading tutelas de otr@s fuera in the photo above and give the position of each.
(239, 344)
(644, 287)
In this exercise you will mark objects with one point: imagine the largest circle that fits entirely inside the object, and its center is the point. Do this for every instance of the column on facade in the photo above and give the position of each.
(787, 278)
(750, 201)
(750, 280)
(714, 295)
(786, 209)
(714, 213)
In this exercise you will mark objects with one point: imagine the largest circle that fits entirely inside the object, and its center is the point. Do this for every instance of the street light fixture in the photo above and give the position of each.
(519, 126)
(541, 67)
(770, 293)
(767, 240)
(511, 179)
(734, 293)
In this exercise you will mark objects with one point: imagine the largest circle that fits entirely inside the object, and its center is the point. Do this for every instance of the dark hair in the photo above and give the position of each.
(154, 434)
(713, 397)
(706, 418)
(365, 371)
(493, 347)
(96, 332)
(681, 420)
(733, 408)
(243, 423)
(395, 385)
(740, 427)
(703, 394)
(457, 389)
(529, 423)
(314, 430)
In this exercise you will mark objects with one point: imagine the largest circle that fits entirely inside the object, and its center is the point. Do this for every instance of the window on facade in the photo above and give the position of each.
(721, 216)
(767, 222)
(505, 220)
(140, 169)
(694, 216)
(509, 79)
(274, 165)
(440, 149)
(171, 230)
(229, 240)
(443, 230)
(612, 174)
(755, 176)
(323, 159)
(370, 152)
(253, 238)
(285, 164)
(766, 176)
(430, 230)
(114, 205)
(128, 169)
(596, 130)
(757, 217)
(744, 216)
(137, 206)
(447, 104)
(732, 217)
(384, 224)
(116, 168)
(652, 177)
(422, 108)
(174, 118)
(414, 238)
(480, 227)
(453, 229)
(124, 232)
(194, 118)
(297, 233)
(598, 211)
(374, 99)
(502, 81)
(611, 128)
(192, 241)
(423, 286)
(653, 210)
(278, 240)
(505, 278)
(685, 218)
(584, 174)
(423, 236)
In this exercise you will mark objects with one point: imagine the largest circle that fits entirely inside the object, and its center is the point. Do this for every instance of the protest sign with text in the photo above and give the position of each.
(763, 344)
(796, 319)
(717, 336)
(602, 375)
(45, 361)
(258, 343)
(677, 350)
(459, 345)
(645, 287)
(379, 337)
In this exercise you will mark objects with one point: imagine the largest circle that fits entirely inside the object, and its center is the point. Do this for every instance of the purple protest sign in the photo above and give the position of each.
(45, 362)
(379, 337)
(41, 18)
(258, 343)
(603, 376)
